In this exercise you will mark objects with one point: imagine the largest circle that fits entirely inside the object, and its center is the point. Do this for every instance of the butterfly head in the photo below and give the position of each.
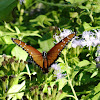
(44, 54)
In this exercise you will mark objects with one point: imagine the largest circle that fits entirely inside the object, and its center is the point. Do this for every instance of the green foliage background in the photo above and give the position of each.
(36, 21)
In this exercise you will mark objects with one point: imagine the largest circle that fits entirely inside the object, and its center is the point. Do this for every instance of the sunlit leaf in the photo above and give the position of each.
(15, 89)
(83, 63)
(62, 83)
(94, 74)
(19, 53)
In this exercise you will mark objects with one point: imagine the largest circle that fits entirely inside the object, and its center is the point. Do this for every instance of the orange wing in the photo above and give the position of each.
(34, 53)
(54, 52)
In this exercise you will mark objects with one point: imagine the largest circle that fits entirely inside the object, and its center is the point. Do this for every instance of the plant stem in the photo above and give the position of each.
(69, 80)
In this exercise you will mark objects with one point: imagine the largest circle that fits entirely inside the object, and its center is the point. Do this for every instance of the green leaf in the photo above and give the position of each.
(7, 39)
(46, 43)
(63, 95)
(56, 16)
(28, 3)
(8, 49)
(83, 63)
(73, 14)
(76, 1)
(41, 20)
(91, 68)
(19, 53)
(6, 7)
(94, 74)
(60, 60)
(8, 27)
(96, 8)
(2, 73)
(13, 92)
(28, 33)
(45, 88)
(74, 71)
(62, 83)
(95, 94)
(87, 27)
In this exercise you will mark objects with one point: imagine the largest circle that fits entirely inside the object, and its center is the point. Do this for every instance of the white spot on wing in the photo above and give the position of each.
(63, 41)
(24, 46)
(61, 45)
(68, 41)
(20, 42)
(20, 45)
(58, 49)
(68, 38)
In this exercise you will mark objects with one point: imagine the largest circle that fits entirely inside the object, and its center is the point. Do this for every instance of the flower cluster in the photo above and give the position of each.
(11, 64)
(62, 35)
(88, 38)
(10, 69)
(37, 93)
(58, 71)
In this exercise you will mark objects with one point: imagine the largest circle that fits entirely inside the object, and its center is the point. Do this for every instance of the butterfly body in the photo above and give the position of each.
(44, 60)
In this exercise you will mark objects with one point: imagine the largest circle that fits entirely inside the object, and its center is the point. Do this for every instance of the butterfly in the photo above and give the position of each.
(45, 60)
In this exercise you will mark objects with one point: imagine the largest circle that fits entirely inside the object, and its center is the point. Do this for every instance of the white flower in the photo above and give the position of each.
(55, 66)
(60, 75)
(86, 35)
(83, 43)
(98, 50)
(76, 43)
(88, 39)
(62, 35)
(65, 33)
(58, 71)
(56, 37)
(97, 34)
(96, 42)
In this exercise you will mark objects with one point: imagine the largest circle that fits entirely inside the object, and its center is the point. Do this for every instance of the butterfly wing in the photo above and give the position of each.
(54, 52)
(34, 53)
